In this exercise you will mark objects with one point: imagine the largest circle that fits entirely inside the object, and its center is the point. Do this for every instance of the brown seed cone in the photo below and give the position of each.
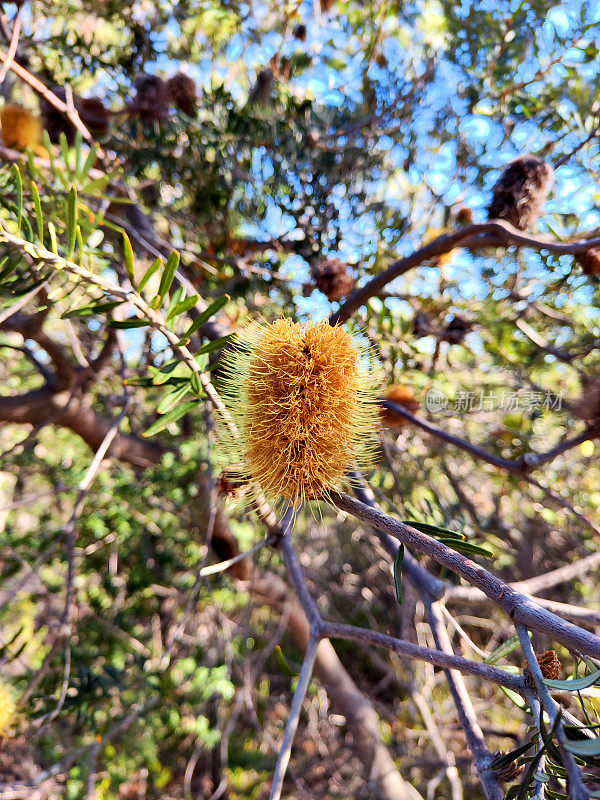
(151, 100)
(550, 665)
(403, 396)
(54, 121)
(330, 276)
(181, 90)
(464, 215)
(456, 330)
(300, 32)
(589, 261)
(587, 406)
(520, 193)
(261, 92)
(94, 115)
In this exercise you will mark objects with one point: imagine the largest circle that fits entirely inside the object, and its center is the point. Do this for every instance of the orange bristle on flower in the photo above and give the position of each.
(304, 401)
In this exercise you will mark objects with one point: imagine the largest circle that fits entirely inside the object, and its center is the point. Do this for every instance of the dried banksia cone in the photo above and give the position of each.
(7, 709)
(520, 193)
(402, 396)
(587, 406)
(464, 215)
(550, 665)
(456, 329)
(54, 121)
(151, 100)
(181, 90)
(300, 32)
(330, 276)
(589, 261)
(304, 401)
(20, 128)
(261, 92)
(94, 115)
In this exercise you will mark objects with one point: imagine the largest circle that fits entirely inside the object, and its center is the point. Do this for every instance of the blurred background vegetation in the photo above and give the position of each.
(326, 140)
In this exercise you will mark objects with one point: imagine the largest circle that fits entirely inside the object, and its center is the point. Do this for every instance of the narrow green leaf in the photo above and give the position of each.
(19, 181)
(38, 211)
(170, 400)
(182, 306)
(503, 760)
(166, 278)
(177, 295)
(33, 170)
(433, 530)
(172, 416)
(209, 312)
(282, 663)
(398, 574)
(89, 162)
(505, 649)
(467, 547)
(533, 764)
(71, 220)
(149, 273)
(97, 185)
(125, 324)
(129, 258)
(196, 383)
(216, 344)
(91, 309)
(575, 685)
(64, 147)
(160, 375)
(53, 241)
(78, 141)
(587, 747)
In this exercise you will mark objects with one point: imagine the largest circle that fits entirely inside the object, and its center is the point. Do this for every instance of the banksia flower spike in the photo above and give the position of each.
(7, 709)
(21, 129)
(304, 401)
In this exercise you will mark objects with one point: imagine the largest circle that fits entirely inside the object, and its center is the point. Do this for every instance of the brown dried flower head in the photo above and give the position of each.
(181, 89)
(331, 277)
(587, 406)
(94, 115)
(300, 32)
(260, 93)
(54, 121)
(402, 396)
(549, 665)
(589, 261)
(464, 215)
(304, 402)
(520, 193)
(151, 101)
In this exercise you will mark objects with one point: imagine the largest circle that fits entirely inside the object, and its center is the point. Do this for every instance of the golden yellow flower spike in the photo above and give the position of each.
(7, 709)
(21, 129)
(304, 400)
